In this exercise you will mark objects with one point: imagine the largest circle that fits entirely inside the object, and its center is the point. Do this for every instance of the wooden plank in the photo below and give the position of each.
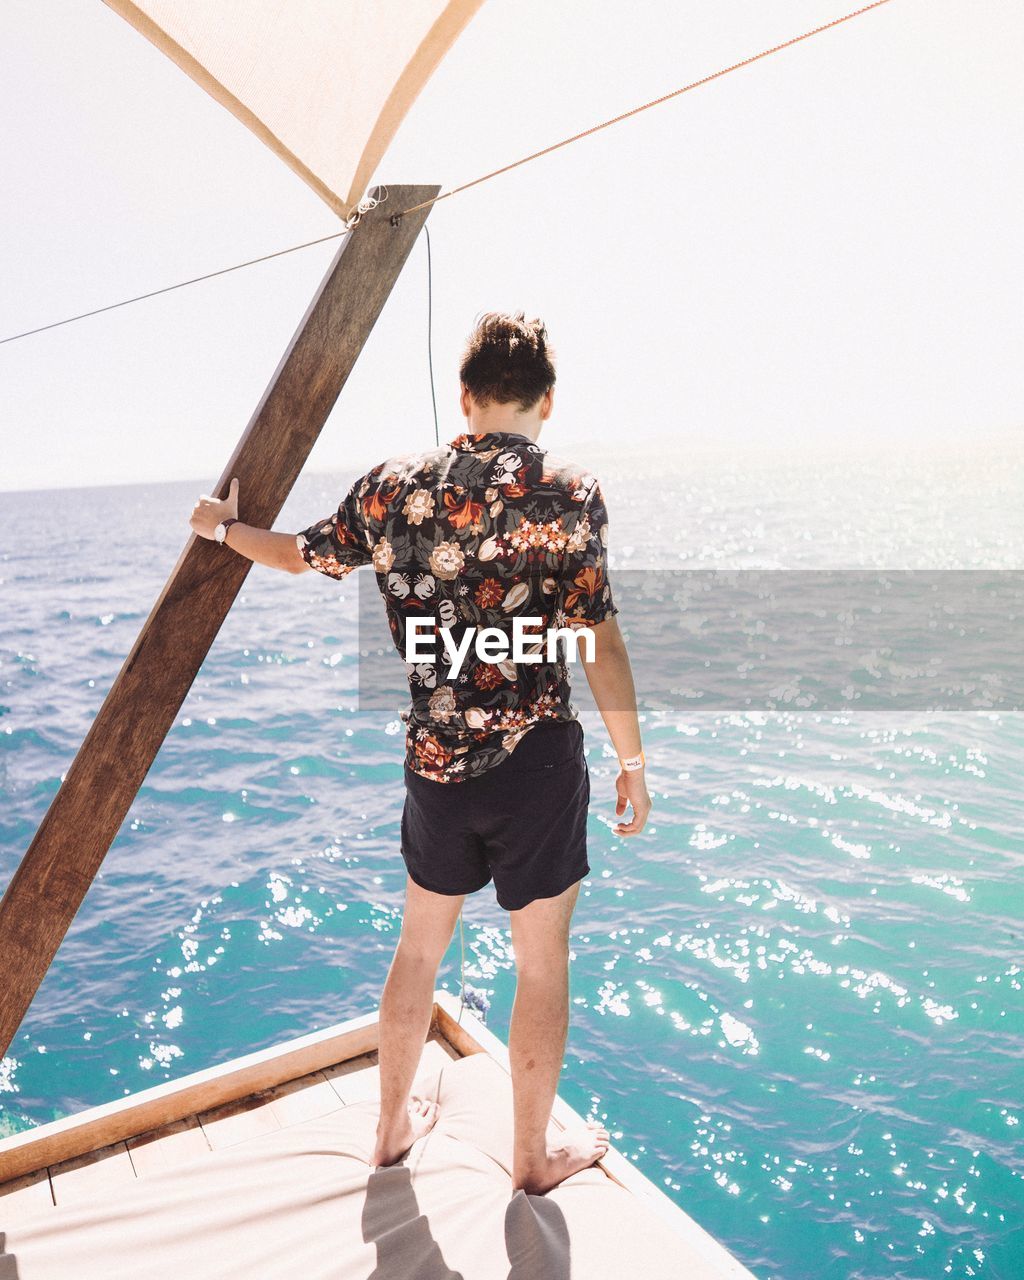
(318, 1094)
(141, 1117)
(86, 813)
(357, 1080)
(25, 1195)
(304, 1099)
(91, 1174)
(438, 1048)
(138, 1113)
(269, 1109)
(234, 1122)
(436, 1053)
(447, 1020)
(167, 1147)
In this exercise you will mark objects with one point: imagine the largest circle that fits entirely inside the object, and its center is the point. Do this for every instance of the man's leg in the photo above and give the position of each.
(536, 1042)
(405, 1004)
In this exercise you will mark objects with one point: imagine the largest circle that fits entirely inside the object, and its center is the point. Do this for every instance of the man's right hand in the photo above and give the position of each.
(631, 788)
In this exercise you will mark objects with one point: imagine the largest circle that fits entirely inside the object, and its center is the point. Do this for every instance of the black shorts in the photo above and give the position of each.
(522, 822)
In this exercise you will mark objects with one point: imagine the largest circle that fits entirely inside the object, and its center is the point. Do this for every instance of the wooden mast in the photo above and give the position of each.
(86, 813)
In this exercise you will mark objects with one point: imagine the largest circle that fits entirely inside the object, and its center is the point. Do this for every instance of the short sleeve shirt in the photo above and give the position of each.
(473, 535)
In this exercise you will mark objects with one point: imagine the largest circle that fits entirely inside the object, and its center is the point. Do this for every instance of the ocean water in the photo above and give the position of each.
(796, 998)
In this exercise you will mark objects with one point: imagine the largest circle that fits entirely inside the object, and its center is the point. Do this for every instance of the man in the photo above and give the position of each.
(476, 534)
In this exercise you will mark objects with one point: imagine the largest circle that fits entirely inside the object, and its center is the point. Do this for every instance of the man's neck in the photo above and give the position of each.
(478, 424)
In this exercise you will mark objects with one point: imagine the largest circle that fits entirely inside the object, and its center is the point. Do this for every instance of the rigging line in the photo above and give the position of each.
(647, 105)
(462, 968)
(154, 293)
(85, 315)
(430, 339)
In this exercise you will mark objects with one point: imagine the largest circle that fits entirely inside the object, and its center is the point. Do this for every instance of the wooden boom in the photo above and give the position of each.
(86, 813)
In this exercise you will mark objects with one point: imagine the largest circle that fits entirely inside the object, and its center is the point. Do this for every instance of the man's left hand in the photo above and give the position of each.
(631, 789)
(209, 512)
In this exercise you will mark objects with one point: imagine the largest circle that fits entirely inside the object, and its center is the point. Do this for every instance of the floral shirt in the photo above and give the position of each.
(471, 535)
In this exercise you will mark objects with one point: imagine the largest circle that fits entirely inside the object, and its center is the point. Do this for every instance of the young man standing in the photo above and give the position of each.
(476, 534)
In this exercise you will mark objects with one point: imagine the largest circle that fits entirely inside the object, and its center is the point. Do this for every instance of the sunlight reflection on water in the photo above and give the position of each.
(796, 999)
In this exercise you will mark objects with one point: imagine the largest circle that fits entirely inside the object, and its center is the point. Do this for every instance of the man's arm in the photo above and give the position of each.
(275, 550)
(611, 682)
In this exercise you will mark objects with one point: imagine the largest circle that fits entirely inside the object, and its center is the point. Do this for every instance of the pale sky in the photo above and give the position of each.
(822, 247)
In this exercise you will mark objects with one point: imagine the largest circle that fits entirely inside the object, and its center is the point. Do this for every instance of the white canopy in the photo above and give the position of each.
(324, 83)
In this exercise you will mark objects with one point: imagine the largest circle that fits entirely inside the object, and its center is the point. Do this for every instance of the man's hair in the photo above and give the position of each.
(507, 359)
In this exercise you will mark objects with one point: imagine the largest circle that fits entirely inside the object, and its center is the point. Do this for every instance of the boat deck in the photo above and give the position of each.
(191, 1143)
(318, 1093)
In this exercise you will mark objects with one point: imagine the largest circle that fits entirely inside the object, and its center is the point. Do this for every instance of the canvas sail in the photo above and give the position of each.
(324, 83)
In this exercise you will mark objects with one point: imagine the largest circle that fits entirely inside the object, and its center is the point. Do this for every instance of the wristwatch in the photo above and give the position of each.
(630, 764)
(221, 531)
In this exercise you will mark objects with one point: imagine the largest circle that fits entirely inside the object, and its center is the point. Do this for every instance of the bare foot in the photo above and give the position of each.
(574, 1149)
(419, 1118)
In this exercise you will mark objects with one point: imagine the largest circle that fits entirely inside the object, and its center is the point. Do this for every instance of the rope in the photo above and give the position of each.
(368, 201)
(430, 343)
(606, 124)
(155, 293)
(462, 968)
(364, 206)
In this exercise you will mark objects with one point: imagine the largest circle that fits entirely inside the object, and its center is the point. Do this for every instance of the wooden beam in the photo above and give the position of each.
(86, 813)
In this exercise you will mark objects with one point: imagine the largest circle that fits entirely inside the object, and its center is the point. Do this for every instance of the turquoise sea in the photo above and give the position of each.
(797, 998)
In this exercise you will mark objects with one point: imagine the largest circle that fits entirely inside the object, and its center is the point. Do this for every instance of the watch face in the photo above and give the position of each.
(219, 533)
